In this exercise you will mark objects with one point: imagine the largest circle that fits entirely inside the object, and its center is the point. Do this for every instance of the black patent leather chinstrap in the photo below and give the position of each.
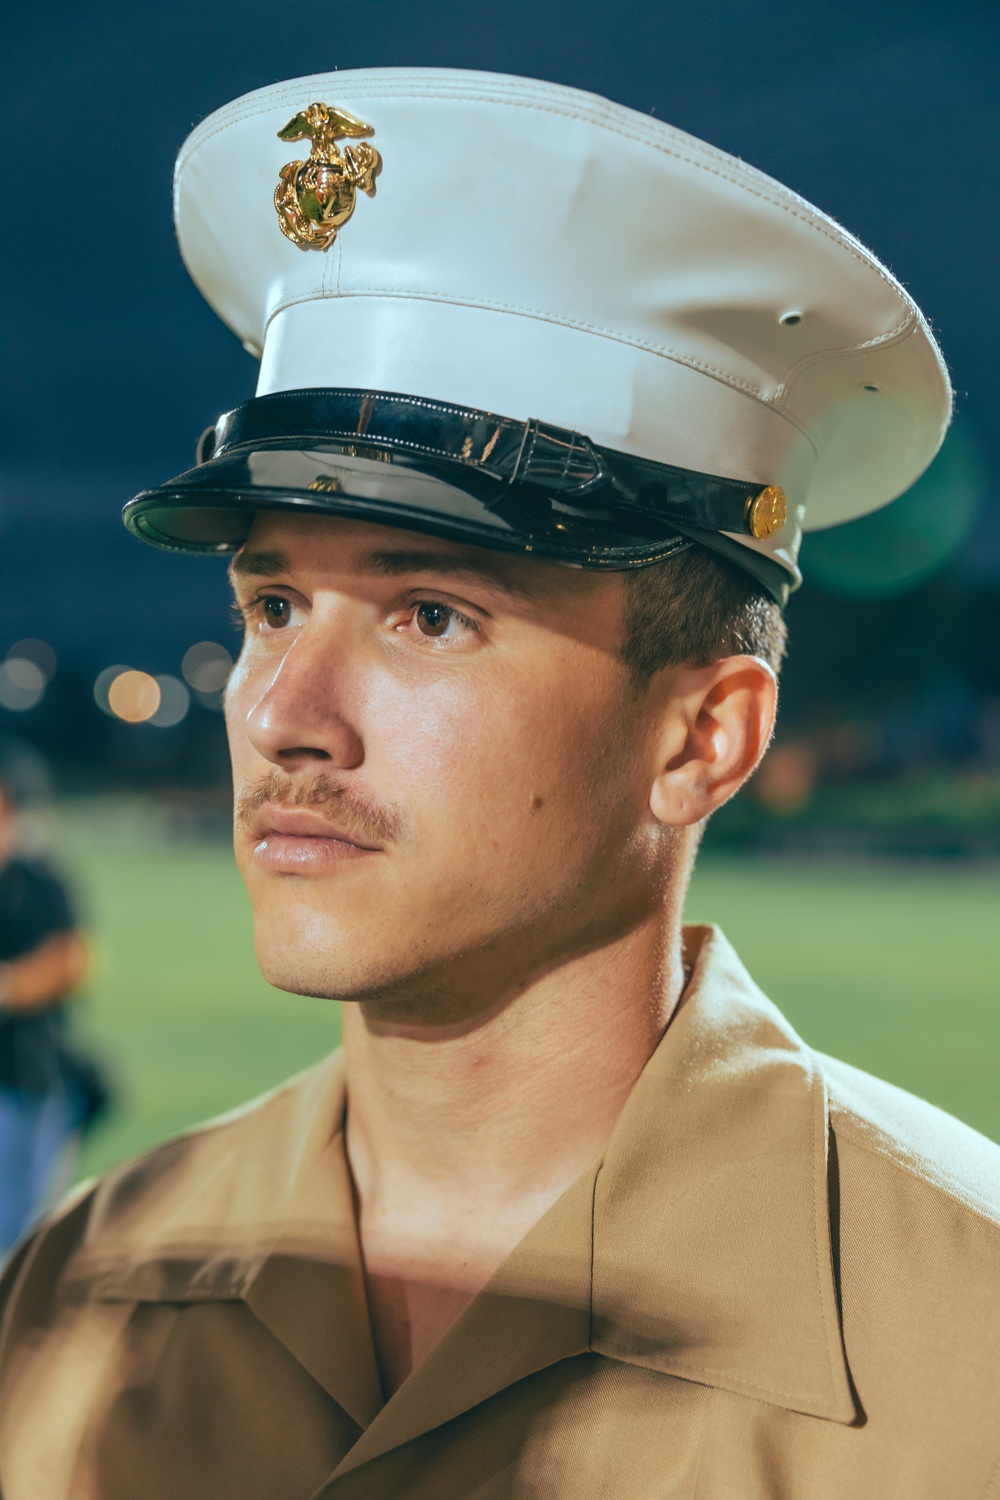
(565, 464)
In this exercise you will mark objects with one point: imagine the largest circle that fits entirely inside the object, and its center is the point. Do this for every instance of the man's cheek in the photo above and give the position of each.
(434, 744)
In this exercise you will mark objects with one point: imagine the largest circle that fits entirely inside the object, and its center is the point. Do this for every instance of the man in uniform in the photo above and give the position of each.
(548, 391)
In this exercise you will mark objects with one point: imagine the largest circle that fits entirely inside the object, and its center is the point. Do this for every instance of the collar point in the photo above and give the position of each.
(836, 1404)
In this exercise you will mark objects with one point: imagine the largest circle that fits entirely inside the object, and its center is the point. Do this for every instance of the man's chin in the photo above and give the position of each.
(299, 973)
(344, 965)
(405, 983)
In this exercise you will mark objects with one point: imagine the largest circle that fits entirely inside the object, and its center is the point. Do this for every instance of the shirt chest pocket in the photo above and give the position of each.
(168, 1386)
(209, 1402)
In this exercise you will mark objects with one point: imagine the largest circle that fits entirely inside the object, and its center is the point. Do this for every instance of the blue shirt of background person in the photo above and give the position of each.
(47, 1090)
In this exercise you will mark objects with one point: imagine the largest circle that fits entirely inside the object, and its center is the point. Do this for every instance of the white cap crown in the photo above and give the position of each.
(538, 252)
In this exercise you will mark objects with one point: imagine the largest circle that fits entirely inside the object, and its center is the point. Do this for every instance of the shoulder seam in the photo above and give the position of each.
(889, 1149)
(216, 1124)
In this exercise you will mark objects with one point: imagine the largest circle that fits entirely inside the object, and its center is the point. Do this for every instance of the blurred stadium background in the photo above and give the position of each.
(858, 874)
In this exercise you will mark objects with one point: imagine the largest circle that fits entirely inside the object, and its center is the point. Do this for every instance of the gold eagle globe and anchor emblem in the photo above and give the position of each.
(315, 197)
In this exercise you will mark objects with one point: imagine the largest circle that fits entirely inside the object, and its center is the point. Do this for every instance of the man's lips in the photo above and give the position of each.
(297, 839)
(303, 822)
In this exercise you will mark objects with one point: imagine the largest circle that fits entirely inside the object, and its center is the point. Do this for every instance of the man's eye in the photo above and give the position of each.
(433, 619)
(277, 612)
(436, 619)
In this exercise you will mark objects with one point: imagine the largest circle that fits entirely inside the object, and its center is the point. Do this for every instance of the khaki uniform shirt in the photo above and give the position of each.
(781, 1280)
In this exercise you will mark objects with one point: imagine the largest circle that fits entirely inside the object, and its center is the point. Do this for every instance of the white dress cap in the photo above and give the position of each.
(537, 252)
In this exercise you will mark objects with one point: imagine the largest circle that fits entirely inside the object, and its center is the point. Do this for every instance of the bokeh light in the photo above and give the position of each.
(39, 653)
(897, 547)
(24, 676)
(139, 698)
(103, 683)
(175, 700)
(134, 696)
(22, 684)
(207, 666)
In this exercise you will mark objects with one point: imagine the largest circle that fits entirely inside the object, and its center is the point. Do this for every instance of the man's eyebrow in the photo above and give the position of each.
(397, 563)
(259, 564)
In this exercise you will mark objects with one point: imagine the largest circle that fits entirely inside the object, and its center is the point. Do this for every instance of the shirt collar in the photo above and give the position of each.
(257, 1206)
(699, 1246)
(713, 1256)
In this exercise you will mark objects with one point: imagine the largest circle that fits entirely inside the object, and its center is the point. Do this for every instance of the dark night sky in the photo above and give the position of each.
(882, 114)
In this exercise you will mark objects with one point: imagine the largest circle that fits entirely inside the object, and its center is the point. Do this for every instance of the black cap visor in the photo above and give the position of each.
(452, 472)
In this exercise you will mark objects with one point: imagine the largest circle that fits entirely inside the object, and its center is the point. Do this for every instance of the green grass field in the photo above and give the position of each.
(893, 970)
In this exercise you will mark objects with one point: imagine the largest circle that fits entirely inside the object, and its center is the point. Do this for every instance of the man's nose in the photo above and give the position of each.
(299, 715)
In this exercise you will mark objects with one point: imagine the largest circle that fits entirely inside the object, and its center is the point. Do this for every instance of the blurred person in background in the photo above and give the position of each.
(48, 1091)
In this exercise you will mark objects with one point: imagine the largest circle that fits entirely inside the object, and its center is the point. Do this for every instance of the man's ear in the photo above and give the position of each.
(716, 724)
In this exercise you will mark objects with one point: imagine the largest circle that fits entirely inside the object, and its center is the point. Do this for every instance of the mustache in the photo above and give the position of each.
(356, 812)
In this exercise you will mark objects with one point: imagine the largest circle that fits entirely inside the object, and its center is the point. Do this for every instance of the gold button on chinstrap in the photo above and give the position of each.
(767, 512)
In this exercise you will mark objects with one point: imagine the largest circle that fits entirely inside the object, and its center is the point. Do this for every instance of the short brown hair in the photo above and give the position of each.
(695, 608)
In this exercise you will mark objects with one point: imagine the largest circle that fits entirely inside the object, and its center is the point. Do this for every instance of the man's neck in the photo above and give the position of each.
(460, 1136)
